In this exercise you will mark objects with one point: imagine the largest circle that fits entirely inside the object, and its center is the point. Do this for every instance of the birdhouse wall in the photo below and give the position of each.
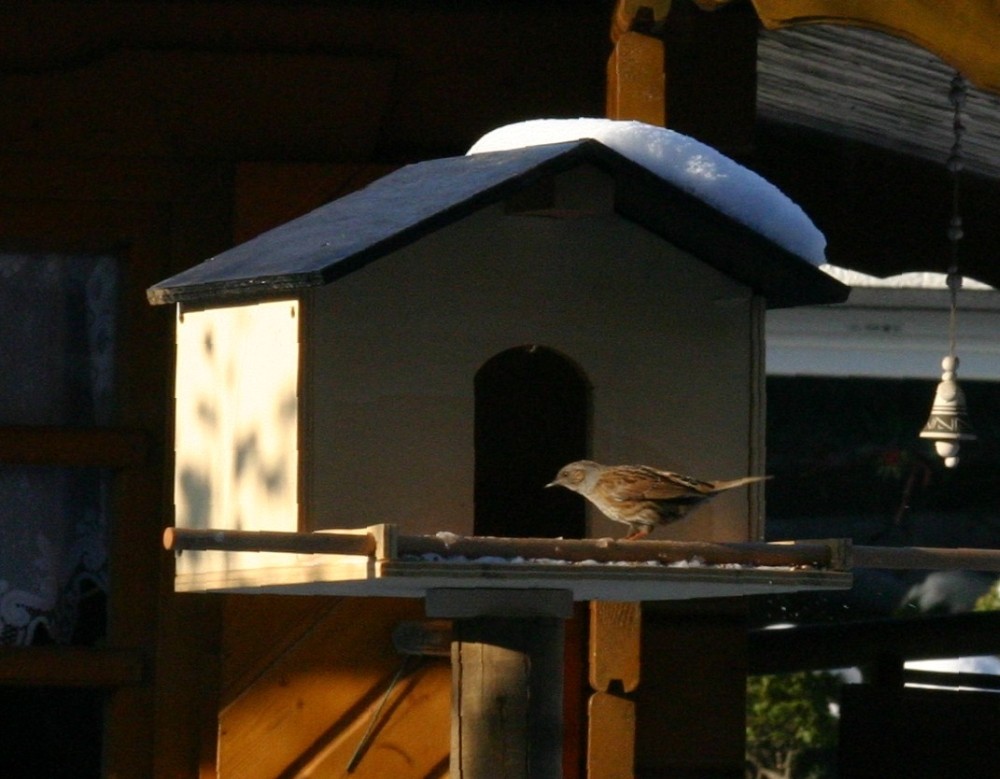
(670, 347)
(236, 436)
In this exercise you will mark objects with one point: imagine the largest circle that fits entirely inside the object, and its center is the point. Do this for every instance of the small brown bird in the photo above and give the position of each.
(639, 496)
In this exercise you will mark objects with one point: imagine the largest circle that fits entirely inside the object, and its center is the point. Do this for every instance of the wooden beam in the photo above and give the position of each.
(821, 554)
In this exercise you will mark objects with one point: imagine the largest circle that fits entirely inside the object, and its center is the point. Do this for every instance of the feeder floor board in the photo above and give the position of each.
(363, 577)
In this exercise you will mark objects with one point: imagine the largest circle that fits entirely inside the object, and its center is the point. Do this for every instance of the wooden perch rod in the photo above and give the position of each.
(607, 550)
(179, 539)
(604, 550)
(820, 554)
(913, 558)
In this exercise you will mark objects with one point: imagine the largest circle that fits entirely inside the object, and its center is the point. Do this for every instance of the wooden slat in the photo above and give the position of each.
(314, 699)
(66, 666)
(404, 740)
(615, 631)
(99, 447)
(611, 737)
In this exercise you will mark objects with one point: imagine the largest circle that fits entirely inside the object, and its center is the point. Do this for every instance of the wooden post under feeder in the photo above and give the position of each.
(507, 680)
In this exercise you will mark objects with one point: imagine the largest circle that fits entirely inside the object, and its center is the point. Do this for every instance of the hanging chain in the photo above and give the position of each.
(954, 279)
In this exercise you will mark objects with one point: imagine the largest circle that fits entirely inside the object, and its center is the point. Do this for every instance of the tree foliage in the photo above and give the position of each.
(792, 725)
(990, 601)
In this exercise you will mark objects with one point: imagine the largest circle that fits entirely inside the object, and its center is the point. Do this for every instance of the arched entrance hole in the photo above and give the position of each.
(531, 418)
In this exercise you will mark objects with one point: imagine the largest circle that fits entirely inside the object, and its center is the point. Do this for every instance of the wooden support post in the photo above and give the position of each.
(615, 633)
(507, 681)
(676, 65)
(636, 81)
(507, 691)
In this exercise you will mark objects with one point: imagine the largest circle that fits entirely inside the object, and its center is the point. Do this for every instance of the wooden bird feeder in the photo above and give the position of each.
(380, 371)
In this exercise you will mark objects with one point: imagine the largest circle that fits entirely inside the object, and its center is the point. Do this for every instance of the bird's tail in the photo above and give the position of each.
(719, 486)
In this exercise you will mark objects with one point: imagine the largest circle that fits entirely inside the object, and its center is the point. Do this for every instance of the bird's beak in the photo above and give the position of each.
(552, 484)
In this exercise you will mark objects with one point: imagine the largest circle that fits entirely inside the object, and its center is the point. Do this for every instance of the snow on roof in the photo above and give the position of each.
(915, 280)
(686, 163)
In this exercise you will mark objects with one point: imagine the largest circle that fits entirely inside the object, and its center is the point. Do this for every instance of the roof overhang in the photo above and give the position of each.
(351, 232)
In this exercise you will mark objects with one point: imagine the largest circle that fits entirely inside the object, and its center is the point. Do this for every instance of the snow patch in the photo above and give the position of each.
(686, 163)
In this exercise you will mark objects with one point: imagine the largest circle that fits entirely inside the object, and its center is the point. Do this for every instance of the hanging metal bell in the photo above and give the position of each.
(949, 422)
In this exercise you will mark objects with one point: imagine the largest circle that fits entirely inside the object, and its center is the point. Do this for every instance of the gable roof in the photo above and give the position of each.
(347, 234)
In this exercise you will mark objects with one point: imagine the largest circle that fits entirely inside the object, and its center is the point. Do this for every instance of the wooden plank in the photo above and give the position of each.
(610, 737)
(602, 550)
(615, 635)
(409, 737)
(69, 666)
(236, 427)
(315, 691)
(431, 637)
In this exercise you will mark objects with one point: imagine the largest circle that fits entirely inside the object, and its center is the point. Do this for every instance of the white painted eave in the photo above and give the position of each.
(888, 328)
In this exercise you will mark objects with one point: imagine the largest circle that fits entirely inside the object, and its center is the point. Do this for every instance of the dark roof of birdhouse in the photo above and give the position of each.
(347, 234)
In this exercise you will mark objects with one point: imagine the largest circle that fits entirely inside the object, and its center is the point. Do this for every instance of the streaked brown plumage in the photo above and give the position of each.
(639, 496)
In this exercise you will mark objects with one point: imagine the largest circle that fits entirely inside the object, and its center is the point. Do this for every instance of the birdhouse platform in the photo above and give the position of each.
(379, 561)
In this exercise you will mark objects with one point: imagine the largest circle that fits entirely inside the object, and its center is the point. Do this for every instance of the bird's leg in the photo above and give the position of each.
(635, 535)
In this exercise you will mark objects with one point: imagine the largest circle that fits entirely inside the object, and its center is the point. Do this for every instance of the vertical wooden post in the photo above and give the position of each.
(507, 680)
(615, 633)
(676, 65)
(507, 692)
(636, 82)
